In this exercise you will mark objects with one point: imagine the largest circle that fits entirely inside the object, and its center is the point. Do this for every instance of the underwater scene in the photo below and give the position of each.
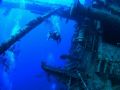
(59, 44)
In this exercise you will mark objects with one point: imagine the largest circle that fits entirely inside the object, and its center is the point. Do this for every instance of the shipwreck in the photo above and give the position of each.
(94, 57)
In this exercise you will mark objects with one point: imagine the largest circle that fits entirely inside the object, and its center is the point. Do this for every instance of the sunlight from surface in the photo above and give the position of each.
(60, 2)
(82, 2)
(22, 5)
(53, 86)
(50, 58)
(15, 29)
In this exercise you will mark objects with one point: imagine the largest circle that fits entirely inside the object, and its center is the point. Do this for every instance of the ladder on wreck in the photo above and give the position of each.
(108, 67)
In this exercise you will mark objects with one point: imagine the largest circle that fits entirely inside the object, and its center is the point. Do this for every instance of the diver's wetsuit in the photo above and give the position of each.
(55, 36)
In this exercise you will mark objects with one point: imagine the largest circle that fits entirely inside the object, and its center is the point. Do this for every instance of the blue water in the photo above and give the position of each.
(34, 48)
(27, 73)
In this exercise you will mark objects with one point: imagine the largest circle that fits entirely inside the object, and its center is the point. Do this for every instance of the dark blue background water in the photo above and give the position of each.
(34, 48)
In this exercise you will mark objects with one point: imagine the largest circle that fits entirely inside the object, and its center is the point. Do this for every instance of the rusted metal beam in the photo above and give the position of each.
(98, 14)
(59, 71)
(25, 30)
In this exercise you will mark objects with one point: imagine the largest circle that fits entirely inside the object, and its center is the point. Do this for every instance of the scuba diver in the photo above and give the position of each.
(55, 36)
(54, 31)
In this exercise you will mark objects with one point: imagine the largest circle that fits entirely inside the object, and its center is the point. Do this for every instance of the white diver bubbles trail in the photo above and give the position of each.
(15, 29)
(55, 23)
(54, 29)
(50, 58)
(19, 15)
(82, 2)
(9, 56)
(6, 69)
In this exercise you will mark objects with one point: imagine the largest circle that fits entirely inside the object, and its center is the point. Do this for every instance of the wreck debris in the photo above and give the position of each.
(86, 48)
(102, 15)
(83, 81)
(90, 51)
(69, 83)
(71, 75)
(59, 71)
